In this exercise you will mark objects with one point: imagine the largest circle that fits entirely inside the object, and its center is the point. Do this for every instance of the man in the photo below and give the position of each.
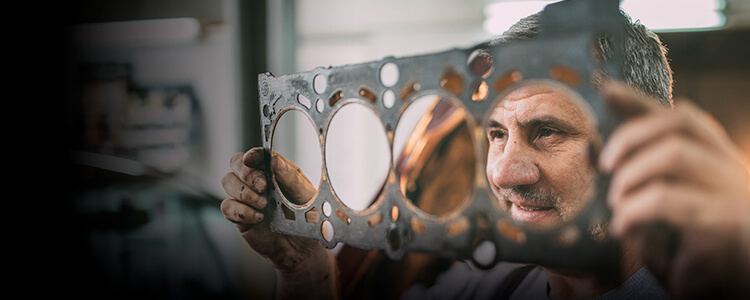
(679, 195)
(538, 161)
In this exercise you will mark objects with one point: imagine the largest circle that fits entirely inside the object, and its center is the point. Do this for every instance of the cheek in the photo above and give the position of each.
(570, 171)
(491, 158)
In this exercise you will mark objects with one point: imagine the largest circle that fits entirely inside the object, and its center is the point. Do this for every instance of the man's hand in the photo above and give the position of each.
(679, 189)
(303, 266)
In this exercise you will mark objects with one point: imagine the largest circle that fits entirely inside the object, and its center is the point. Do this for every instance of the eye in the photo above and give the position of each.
(496, 134)
(546, 131)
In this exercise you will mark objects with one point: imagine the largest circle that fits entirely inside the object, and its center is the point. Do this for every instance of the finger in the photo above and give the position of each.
(254, 158)
(292, 182)
(686, 120)
(672, 158)
(240, 213)
(253, 177)
(240, 191)
(658, 201)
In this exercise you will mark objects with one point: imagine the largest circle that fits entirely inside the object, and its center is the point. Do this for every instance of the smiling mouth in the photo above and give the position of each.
(533, 208)
(529, 206)
(533, 214)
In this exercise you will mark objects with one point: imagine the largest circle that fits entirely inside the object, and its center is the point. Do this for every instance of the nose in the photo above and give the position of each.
(513, 167)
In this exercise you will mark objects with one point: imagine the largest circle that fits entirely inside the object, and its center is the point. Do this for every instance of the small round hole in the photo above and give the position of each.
(389, 74)
(394, 213)
(319, 105)
(327, 230)
(320, 84)
(394, 239)
(481, 63)
(389, 99)
(484, 253)
(327, 209)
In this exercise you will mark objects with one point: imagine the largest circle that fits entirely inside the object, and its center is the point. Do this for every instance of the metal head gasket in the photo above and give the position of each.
(561, 53)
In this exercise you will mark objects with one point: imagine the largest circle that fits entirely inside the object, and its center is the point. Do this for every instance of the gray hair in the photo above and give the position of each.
(645, 65)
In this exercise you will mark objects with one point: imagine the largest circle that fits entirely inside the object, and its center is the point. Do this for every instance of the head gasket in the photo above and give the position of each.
(561, 54)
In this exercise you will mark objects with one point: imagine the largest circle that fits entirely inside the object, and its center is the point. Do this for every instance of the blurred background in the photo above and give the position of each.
(159, 95)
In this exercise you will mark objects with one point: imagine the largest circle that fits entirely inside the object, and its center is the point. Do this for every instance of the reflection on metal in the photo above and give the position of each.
(442, 126)
(392, 223)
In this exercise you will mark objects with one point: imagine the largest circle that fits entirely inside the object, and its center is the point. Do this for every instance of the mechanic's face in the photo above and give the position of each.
(538, 161)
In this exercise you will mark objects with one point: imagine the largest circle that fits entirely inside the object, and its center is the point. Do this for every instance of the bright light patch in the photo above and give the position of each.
(503, 14)
(657, 15)
(676, 15)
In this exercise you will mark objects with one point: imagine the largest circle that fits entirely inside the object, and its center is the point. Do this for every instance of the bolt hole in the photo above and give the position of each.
(484, 253)
(319, 84)
(481, 63)
(389, 74)
(327, 209)
(319, 105)
(389, 99)
(327, 230)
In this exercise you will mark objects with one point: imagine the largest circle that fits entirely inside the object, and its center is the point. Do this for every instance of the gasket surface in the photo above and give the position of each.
(560, 54)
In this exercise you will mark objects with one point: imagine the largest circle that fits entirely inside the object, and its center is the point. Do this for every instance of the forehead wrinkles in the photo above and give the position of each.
(535, 101)
(521, 103)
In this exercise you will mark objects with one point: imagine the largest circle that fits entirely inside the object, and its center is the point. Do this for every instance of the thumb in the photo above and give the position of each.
(292, 182)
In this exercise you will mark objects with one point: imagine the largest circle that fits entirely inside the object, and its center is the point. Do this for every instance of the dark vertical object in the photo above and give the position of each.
(252, 60)
(288, 39)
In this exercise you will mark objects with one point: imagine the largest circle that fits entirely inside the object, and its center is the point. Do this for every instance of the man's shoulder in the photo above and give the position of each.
(463, 281)
(641, 285)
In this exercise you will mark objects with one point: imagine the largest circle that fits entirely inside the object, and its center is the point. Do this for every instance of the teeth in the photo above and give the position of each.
(532, 208)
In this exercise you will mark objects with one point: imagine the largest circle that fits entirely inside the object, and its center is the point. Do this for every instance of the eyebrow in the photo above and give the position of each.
(495, 124)
(562, 124)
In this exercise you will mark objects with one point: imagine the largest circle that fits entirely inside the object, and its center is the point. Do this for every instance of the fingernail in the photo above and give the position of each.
(262, 202)
(259, 184)
(258, 216)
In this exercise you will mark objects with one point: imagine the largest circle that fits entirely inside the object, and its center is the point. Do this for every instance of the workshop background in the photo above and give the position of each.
(161, 93)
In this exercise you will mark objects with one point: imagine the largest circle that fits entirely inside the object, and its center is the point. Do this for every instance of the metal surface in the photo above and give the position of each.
(393, 224)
